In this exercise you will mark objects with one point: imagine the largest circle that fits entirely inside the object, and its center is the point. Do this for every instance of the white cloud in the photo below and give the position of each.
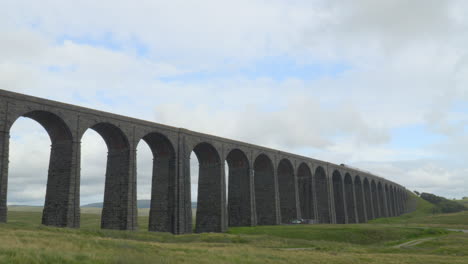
(407, 66)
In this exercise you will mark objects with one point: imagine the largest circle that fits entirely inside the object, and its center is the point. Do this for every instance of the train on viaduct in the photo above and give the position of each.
(266, 186)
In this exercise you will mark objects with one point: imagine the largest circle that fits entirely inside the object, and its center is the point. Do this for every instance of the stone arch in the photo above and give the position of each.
(361, 203)
(321, 190)
(287, 191)
(162, 208)
(211, 202)
(306, 197)
(240, 206)
(349, 196)
(339, 198)
(370, 201)
(119, 208)
(265, 190)
(61, 206)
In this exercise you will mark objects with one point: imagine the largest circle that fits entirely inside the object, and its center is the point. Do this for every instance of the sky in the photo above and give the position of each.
(379, 85)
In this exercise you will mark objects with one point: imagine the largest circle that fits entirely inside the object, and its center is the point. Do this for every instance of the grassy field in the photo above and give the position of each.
(422, 217)
(24, 240)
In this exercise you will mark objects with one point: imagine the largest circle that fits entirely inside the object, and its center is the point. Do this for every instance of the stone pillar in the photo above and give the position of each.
(61, 207)
(395, 202)
(400, 200)
(161, 217)
(385, 209)
(364, 203)
(345, 200)
(331, 197)
(369, 203)
(119, 211)
(356, 213)
(296, 196)
(277, 211)
(4, 152)
(211, 206)
(241, 197)
(313, 193)
(253, 205)
(378, 209)
(183, 201)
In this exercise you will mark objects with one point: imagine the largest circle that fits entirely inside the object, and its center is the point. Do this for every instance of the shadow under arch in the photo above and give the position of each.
(61, 207)
(305, 188)
(240, 200)
(162, 206)
(322, 193)
(265, 191)
(211, 202)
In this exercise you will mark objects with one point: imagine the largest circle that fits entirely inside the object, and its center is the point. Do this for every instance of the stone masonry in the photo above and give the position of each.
(266, 186)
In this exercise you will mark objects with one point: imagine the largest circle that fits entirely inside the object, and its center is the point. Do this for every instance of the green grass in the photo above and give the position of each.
(423, 216)
(353, 234)
(24, 240)
(464, 202)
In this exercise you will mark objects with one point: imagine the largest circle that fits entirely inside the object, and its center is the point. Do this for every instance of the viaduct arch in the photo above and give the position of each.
(266, 186)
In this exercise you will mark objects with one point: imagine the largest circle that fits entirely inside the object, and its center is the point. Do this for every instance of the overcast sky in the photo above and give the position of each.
(380, 85)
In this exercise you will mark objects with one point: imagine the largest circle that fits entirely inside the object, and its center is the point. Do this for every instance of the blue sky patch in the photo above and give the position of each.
(278, 68)
(414, 136)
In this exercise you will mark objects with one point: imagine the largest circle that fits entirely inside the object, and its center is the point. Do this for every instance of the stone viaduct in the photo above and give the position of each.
(266, 186)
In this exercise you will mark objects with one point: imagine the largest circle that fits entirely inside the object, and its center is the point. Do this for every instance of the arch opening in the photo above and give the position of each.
(287, 191)
(93, 170)
(239, 195)
(211, 198)
(321, 188)
(60, 208)
(28, 167)
(305, 186)
(360, 200)
(339, 198)
(265, 191)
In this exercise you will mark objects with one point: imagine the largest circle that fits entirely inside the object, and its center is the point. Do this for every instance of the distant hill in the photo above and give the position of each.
(142, 204)
(443, 205)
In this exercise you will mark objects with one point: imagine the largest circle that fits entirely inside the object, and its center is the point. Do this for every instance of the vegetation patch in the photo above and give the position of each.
(442, 205)
(24, 240)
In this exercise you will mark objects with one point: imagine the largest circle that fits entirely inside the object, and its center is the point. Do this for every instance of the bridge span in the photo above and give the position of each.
(266, 186)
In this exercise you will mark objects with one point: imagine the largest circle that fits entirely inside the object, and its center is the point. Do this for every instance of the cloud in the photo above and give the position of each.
(194, 65)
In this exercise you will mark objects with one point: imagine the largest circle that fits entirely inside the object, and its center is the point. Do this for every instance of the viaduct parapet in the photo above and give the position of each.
(266, 186)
